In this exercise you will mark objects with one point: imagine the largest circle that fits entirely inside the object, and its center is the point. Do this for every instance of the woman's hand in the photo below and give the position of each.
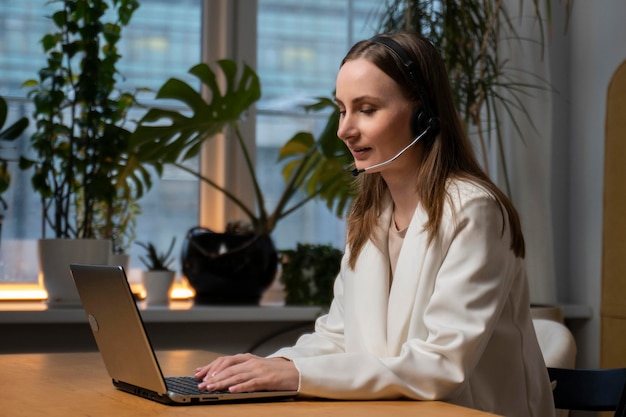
(247, 372)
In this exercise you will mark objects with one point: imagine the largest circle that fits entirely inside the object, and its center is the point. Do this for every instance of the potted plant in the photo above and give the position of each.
(235, 266)
(158, 277)
(308, 274)
(80, 151)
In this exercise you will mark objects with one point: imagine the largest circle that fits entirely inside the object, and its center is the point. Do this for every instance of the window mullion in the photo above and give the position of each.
(228, 31)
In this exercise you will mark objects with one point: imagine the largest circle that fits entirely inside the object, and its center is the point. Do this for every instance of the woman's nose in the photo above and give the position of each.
(346, 129)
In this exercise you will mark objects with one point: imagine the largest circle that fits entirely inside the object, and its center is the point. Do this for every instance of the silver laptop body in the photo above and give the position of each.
(124, 345)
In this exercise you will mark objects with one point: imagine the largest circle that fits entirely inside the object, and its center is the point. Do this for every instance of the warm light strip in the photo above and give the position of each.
(23, 294)
(26, 292)
(180, 292)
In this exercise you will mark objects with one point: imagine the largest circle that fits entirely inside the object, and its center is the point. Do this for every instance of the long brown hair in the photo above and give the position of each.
(447, 155)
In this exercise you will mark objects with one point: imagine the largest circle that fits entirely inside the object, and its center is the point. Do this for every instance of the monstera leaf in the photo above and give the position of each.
(169, 136)
(319, 166)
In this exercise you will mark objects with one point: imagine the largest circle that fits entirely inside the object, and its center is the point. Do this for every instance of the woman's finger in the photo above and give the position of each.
(221, 363)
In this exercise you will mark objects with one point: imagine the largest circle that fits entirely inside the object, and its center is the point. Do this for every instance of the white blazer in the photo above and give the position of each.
(454, 326)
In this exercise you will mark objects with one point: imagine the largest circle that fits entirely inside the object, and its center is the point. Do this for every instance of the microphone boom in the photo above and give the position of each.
(356, 171)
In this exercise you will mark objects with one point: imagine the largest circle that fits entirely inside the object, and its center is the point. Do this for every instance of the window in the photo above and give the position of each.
(162, 40)
(300, 45)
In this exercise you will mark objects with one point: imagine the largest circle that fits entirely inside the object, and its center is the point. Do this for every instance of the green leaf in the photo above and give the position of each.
(13, 131)
(30, 83)
(25, 163)
(297, 145)
(320, 163)
(4, 109)
(48, 42)
(170, 135)
(5, 177)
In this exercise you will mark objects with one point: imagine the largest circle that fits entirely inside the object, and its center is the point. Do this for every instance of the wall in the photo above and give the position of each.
(583, 62)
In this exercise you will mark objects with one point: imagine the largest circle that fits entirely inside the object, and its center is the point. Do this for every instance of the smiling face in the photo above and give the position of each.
(375, 116)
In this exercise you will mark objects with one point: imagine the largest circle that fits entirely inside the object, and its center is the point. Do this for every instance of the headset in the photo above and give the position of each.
(423, 118)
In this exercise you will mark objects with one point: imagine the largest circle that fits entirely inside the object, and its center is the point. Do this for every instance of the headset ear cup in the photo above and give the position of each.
(419, 121)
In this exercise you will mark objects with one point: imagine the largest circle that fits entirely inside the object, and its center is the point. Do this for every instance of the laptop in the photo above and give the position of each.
(125, 347)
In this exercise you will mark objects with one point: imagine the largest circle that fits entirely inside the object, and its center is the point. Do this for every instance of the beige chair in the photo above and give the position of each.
(556, 342)
(557, 346)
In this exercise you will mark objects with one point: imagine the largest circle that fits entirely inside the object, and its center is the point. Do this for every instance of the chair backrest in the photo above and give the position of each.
(556, 343)
(590, 389)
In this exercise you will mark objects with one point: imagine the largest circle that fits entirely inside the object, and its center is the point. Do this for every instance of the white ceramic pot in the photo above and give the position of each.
(158, 285)
(55, 257)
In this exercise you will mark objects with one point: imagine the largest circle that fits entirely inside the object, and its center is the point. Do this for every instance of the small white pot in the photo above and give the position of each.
(157, 285)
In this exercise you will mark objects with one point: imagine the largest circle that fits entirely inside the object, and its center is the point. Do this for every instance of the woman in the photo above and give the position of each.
(431, 302)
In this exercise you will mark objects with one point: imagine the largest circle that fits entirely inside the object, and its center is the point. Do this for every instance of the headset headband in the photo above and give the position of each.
(410, 67)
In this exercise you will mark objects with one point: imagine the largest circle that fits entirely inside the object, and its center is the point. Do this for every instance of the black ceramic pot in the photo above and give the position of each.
(228, 268)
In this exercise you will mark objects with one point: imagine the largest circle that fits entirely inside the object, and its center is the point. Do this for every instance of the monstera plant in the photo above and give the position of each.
(173, 137)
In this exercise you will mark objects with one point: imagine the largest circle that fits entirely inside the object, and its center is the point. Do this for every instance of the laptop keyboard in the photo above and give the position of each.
(187, 385)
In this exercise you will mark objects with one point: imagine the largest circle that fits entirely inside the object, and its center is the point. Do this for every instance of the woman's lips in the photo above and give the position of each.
(360, 153)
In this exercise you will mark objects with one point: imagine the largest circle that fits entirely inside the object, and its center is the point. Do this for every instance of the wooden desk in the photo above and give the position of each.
(73, 384)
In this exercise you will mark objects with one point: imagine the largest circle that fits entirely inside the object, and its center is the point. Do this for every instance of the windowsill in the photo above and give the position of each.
(22, 312)
(32, 296)
(184, 309)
